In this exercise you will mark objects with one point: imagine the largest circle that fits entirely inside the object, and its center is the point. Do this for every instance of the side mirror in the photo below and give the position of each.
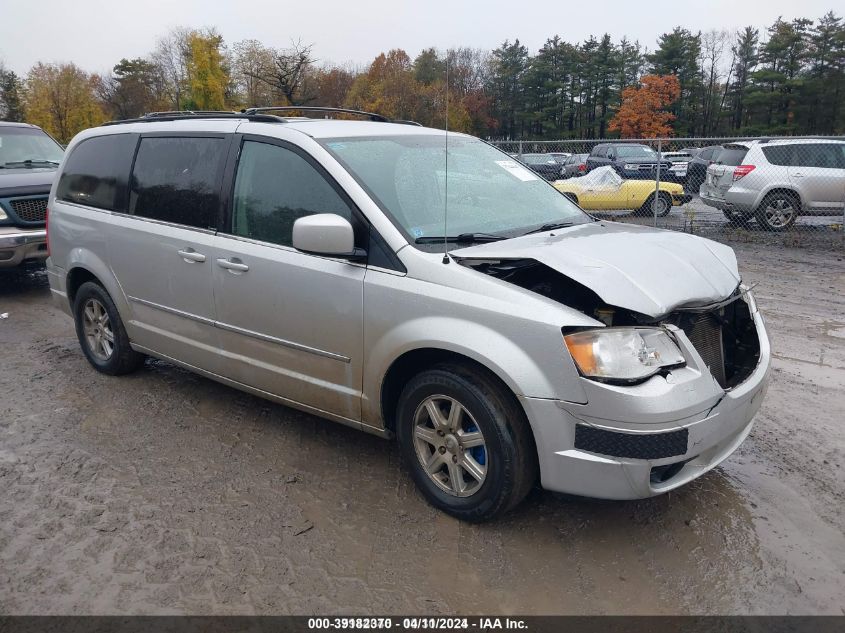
(611, 156)
(325, 234)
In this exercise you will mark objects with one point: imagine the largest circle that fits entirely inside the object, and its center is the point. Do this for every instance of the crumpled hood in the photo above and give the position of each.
(650, 271)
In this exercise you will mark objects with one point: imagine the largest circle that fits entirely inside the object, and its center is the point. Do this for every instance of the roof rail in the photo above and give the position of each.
(187, 112)
(181, 115)
(371, 115)
(258, 115)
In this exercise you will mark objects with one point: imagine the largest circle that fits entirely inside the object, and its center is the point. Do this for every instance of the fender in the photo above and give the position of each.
(87, 260)
(525, 370)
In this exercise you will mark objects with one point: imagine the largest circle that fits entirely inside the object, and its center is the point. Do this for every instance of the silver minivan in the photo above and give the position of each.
(463, 306)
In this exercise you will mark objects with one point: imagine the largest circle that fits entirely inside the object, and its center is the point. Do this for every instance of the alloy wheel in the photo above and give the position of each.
(779, 213)
(96, 326)
(450, 446)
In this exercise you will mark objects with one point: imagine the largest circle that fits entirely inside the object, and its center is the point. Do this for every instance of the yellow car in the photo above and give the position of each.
(603, 189)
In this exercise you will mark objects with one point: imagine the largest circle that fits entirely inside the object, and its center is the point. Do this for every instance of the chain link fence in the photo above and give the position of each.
(779, 190)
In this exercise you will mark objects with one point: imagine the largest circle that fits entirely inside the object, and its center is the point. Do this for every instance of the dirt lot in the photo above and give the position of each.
(163, 492)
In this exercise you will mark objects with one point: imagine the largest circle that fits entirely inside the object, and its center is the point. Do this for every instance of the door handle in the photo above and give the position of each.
(191, 256)
(798, 175)
(234, 266)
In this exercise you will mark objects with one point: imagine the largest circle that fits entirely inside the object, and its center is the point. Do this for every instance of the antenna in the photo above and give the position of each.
(446, 189)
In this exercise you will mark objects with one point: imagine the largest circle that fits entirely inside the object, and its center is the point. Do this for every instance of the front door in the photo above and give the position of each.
(291, 324)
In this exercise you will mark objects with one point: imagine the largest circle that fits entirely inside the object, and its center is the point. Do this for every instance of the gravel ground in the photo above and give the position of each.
(163, 492)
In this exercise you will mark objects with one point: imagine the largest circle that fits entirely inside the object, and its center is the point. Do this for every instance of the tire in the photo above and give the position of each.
(101, 333)
(664, 205)
(778, 211)
(737, 218)
(506, 459)
(693, 184)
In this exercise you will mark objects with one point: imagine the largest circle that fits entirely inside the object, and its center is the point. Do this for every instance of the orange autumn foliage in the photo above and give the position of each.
(641, 114)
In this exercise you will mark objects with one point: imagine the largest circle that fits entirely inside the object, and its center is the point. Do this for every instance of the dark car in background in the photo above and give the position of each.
(575, 165)
(629, 160)
(697, 167)
(29, 158)
(546, 165)
(680, 161)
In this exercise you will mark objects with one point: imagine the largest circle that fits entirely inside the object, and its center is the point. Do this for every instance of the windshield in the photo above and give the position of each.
(634, 151)
(539, 159)
(489, 192)
(21, 144)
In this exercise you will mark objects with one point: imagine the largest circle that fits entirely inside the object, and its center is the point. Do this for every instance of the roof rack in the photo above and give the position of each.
(252, 114)
(371, 115)
(181, 115)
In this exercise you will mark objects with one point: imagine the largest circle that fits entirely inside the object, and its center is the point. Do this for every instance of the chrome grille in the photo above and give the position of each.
(30, 209)
(705, 333)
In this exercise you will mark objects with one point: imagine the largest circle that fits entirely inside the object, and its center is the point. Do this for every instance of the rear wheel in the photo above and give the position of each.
(466, 441)
(778, 211)
(101, 333)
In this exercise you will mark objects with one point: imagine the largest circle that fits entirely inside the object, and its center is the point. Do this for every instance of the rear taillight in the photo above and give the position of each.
(582, 167)
(742, 170)
(47, 228)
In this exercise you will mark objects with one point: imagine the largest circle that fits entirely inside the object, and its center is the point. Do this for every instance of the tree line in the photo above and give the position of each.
(788, 79)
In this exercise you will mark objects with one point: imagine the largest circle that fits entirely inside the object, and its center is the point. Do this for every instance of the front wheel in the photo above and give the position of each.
(466, 441)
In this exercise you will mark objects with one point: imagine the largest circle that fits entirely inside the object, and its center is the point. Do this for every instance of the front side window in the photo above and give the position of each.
(274, 187)
(488, 191)
(97, 170)
(27, 146)
(177, 179)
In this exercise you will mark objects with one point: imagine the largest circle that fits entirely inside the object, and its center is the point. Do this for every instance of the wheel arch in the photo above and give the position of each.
(414, 361)
(782, 190)
(83, 265)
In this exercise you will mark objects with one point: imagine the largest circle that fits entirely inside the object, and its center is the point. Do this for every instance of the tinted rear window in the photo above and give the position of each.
(780, 154)
(732, 155)
(177, 179)
(96, 172)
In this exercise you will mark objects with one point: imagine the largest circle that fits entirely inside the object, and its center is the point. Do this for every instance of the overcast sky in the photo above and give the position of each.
(95, 34)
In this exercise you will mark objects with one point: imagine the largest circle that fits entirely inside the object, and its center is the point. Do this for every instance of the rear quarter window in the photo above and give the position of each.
(780, 154)
(96, 172)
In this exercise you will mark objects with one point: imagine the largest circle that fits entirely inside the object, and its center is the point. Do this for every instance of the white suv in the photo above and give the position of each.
(775, 181)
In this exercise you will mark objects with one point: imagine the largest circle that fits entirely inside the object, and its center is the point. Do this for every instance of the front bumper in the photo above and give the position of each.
(688, 401)
(18, 245)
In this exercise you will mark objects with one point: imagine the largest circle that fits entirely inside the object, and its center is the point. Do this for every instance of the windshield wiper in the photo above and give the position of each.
(551, 226)
(462, 238)
(31, 161)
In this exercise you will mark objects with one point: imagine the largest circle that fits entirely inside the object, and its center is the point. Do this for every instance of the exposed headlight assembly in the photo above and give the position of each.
(623, 354)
